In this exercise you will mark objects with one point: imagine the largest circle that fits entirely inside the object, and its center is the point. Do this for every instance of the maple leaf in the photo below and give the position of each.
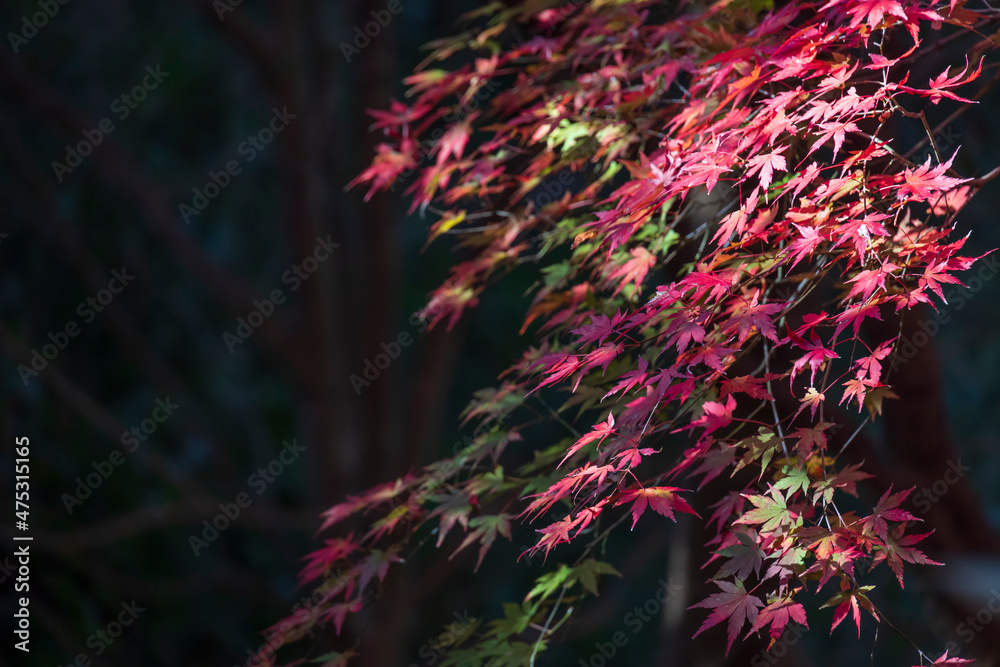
(804, 246)
(816, 355)
(661, 499)
(320, 561)
(866, 282)
(745, 384)
(602, 357)
(630, 458)
(944, 660)
(837, 131)
(736, 222)
(556, 533)
(811, 438)
(454, 508)
(761, 446)
(844, 479)
(794, 479)
(778, 614)
(400, 114)
(629, 380)
(874, 398)
(857, 388)
(454, 140)
(733, 100)
(898, 548)
(854, 316)
(872, 11)
(733, 603)
(687, 332)
(755, 316)
(942, 81)
(887, 509)
(812, 400)
(738, 89)
(766, 165)
(485, 529)
(338, 613)
(635, 270)
(851, 601)
(716, 415)
(952, 201)
(599, 433)
(744, 557)
(922, 183)
(725, 508)
(376, 564)
(592, 473)
(804, 179)
(560, 366)
(870, 365)
(934, 276)
(911, 298)
(391, 521)
(388, 164)
(588, 570)
(597, 331)
(771, 511)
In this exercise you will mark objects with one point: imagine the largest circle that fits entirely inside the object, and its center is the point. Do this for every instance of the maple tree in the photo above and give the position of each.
(663, 313)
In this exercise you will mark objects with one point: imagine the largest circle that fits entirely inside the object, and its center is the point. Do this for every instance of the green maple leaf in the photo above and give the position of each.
(794, 479)
(587, 572)
(761, 446)
(771, 511)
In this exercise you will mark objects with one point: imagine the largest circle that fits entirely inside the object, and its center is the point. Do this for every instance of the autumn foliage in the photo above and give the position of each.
(738, 208)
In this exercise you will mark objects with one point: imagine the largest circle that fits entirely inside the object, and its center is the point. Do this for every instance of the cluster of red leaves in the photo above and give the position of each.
(649, 113)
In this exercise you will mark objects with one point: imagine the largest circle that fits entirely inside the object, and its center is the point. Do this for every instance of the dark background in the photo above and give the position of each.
(162, 337)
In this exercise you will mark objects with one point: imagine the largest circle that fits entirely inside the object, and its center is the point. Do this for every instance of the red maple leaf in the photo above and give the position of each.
(922, 183)
(867, 281)
(734, 603)
(851, 601)
(872, 11)
(887, 510)
(766, 165)
(942, 81)
(802, 247)
(745, 384)
(870, 365)
(945, 661)
(736, 222)
(602, 357)
(812, 400)
(599, 433)
(630, 458)
(634, 270)
(855, 315)
(686, 332)
(810, 438)
(629, 380)
(556, 533)
(933, 277)
(598, 330)
(661, 499)
(898, 548)
(338, 613)
(755, 316)
(816, 355)
(778, 614)
(454, 140)
(716, 415)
